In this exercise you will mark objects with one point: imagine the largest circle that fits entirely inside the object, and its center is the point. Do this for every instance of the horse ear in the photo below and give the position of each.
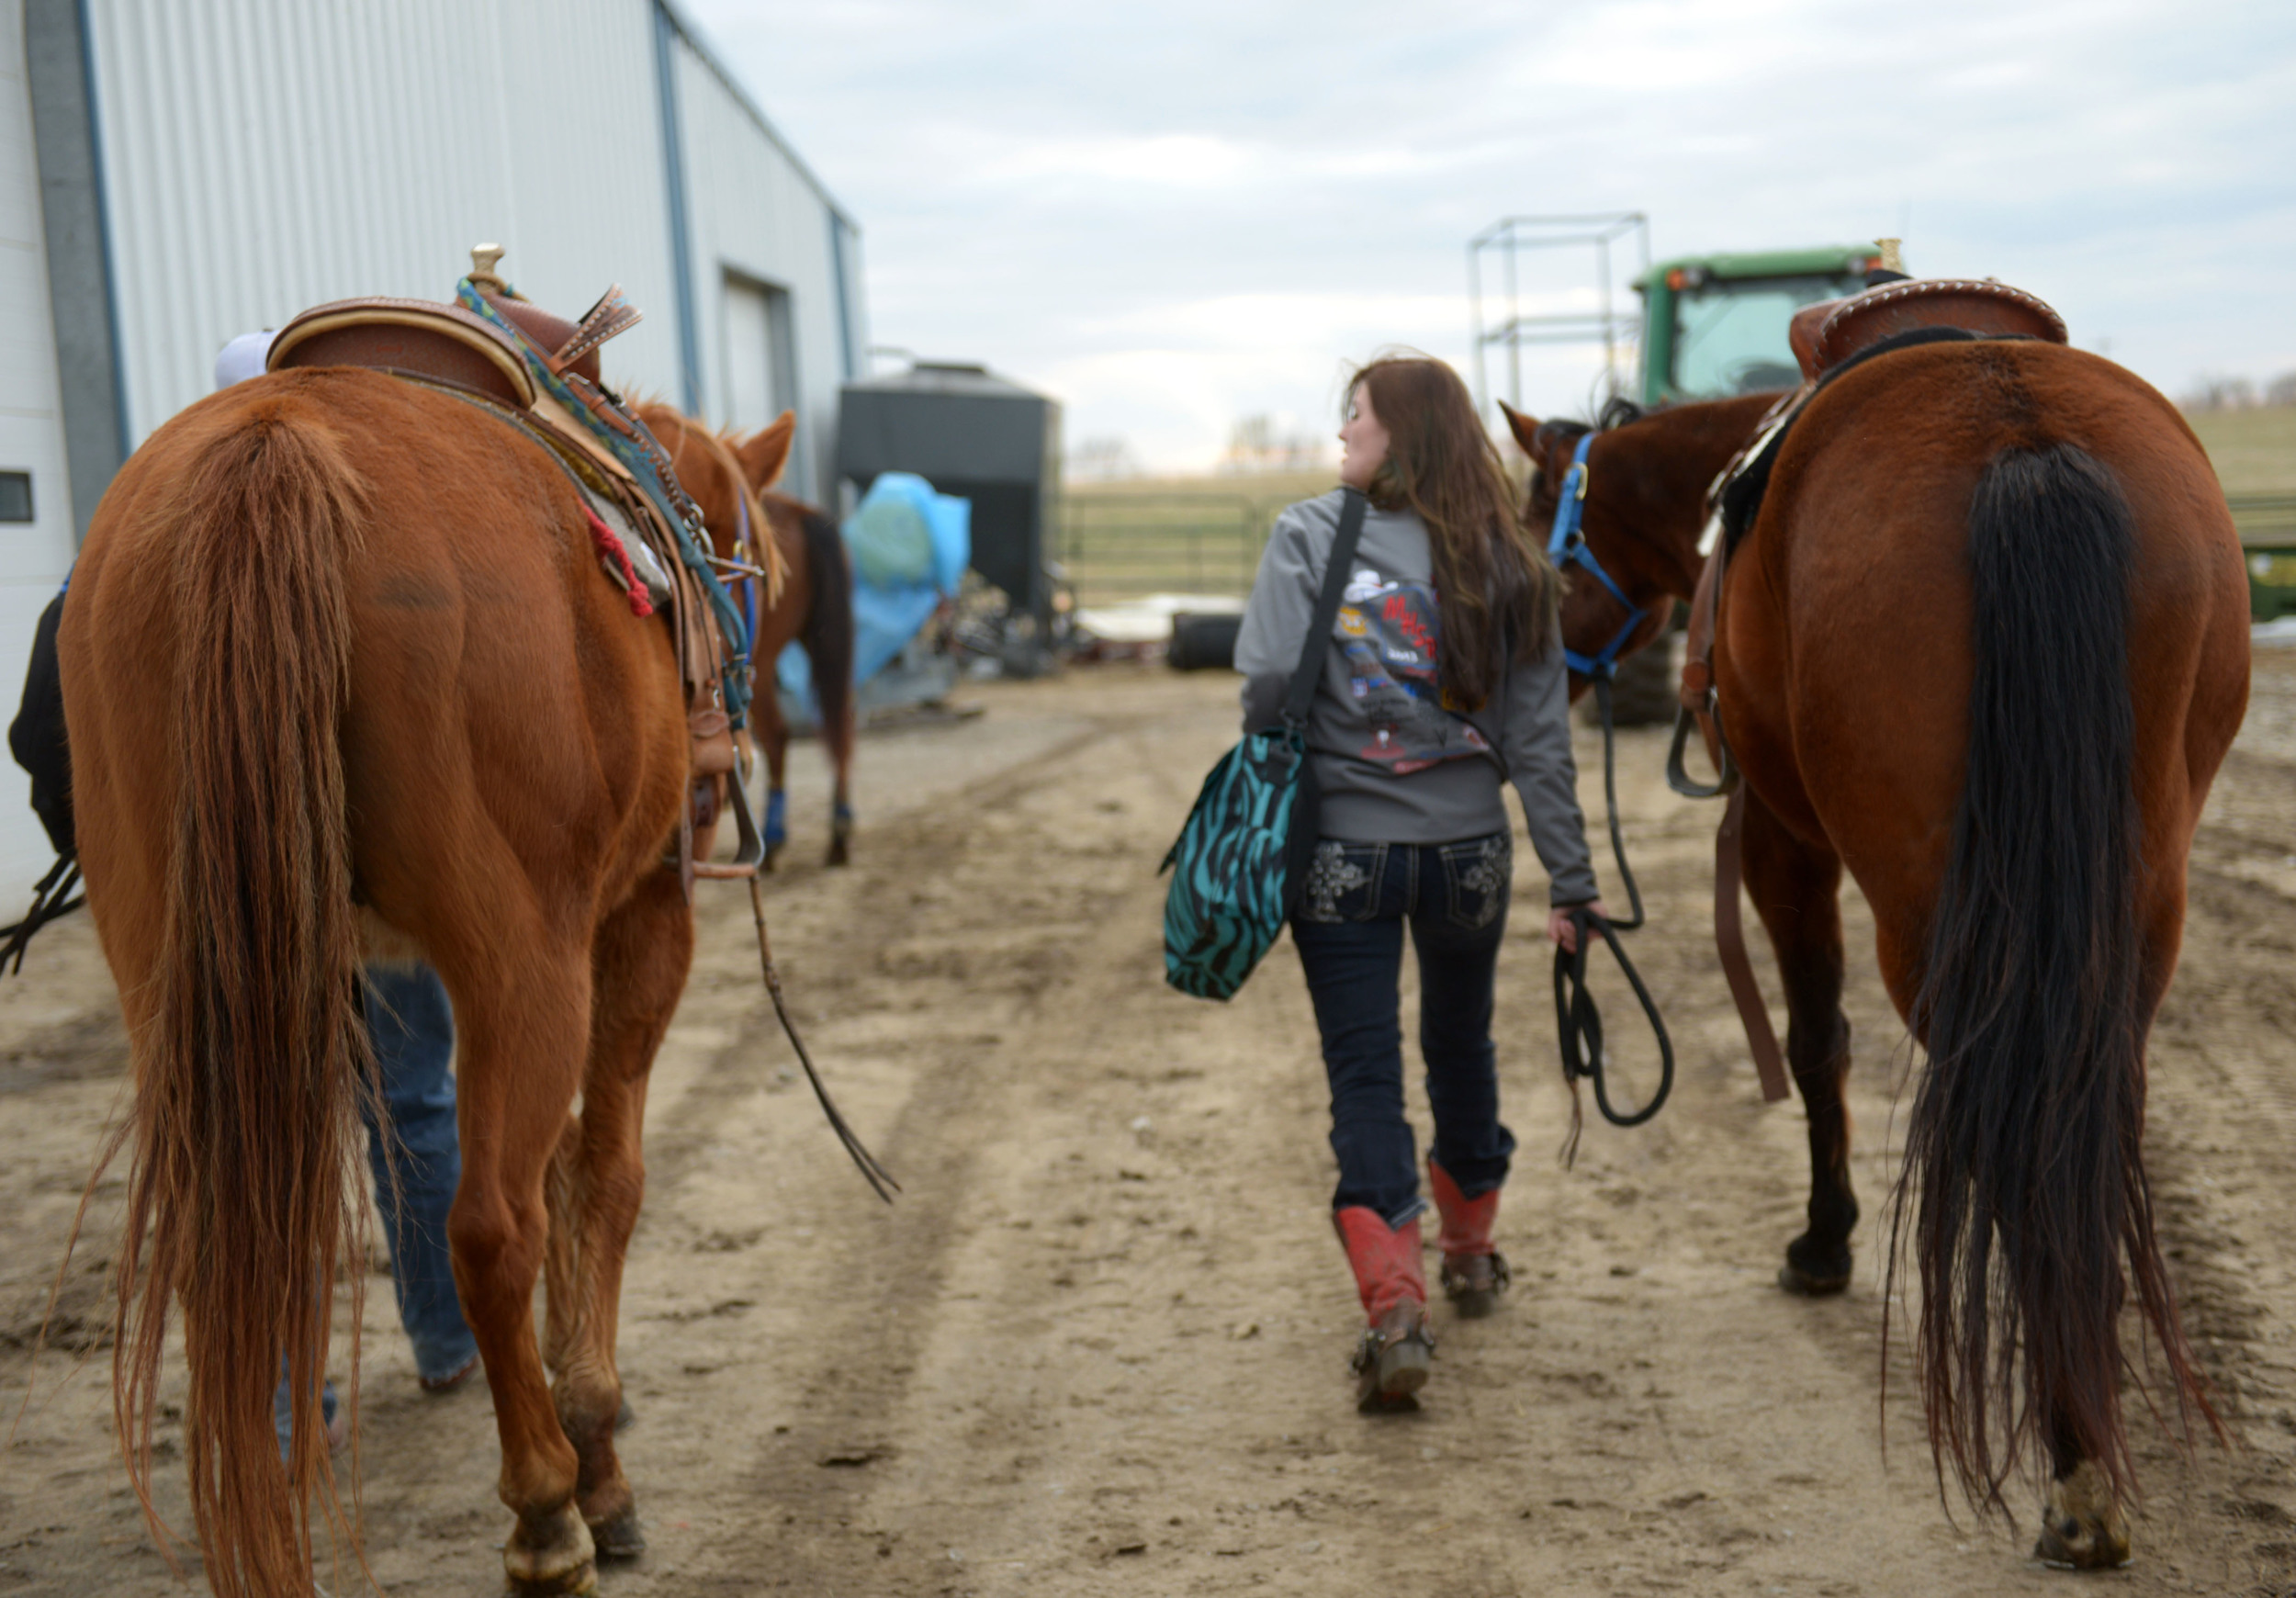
(1525, 428)
(765, 452)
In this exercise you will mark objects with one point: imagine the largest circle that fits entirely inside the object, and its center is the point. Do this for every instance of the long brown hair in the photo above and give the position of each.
(1492, 586)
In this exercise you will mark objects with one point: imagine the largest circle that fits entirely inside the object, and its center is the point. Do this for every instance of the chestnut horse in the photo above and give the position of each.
(1984, 644)
(343, 681)
(732, 479)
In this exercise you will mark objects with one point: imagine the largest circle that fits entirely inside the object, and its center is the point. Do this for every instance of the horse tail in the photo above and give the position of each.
(2024, 1154)
(828, 631)
(244, 1198)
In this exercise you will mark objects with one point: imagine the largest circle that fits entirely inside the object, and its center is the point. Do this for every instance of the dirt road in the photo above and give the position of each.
(1099, 1344)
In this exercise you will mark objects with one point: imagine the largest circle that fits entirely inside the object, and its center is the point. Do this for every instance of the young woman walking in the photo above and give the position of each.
(1443, 674)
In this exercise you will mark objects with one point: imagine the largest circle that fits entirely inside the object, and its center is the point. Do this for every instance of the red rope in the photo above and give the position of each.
(617, 560)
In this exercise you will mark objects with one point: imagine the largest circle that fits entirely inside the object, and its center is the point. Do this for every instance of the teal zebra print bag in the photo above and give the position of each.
(1238, 863)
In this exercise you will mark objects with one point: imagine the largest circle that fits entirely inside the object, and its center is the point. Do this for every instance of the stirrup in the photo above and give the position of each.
(1678, 775)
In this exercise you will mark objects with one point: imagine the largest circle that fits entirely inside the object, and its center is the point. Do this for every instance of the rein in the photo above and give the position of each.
(1578, 1021)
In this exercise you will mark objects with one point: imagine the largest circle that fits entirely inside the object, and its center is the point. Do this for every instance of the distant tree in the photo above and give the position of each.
(1256, 444)
(2281, 390)
(1103, 459)
(2219, 392)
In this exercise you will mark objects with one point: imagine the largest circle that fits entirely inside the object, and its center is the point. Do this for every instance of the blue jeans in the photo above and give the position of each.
(411, 1027)
(1348, 929)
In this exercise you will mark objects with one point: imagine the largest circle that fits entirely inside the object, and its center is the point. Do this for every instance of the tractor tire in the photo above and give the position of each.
(1203, 642)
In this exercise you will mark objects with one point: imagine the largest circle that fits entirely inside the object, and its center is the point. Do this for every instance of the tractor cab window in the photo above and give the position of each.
(1730, 334)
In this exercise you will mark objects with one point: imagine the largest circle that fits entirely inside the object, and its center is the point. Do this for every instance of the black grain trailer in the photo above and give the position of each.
(988, 440)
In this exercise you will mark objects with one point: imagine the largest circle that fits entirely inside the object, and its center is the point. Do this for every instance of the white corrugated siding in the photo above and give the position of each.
(261, 156)
(754, 213)
(34, 555)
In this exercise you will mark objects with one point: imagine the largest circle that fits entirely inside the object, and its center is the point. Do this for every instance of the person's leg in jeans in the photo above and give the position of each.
(1456, 928)
(1350, 938)
(412, 1029)
(1348, 929)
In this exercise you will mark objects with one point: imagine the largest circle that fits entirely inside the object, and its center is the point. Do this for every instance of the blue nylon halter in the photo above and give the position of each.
(1568, 547)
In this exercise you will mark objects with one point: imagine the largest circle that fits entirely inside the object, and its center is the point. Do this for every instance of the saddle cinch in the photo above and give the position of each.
(520, 364)
(1894, 312)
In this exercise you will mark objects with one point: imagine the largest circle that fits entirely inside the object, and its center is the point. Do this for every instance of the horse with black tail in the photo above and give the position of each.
(1982, 642)
(809, 598)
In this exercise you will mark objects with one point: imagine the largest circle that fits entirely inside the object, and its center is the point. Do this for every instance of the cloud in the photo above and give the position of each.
(1178, 216)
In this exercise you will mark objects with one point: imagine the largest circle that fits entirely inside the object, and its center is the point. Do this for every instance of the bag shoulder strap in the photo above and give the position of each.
(1310, 668)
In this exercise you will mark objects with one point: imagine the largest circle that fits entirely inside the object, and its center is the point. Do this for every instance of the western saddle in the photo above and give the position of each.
(1827, 334)
(509, 369)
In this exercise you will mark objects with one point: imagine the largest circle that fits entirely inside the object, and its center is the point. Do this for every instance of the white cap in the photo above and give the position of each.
(244, 357)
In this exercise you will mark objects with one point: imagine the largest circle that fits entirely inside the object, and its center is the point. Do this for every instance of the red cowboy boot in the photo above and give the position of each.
(1474, 1273)
(1390, 1363)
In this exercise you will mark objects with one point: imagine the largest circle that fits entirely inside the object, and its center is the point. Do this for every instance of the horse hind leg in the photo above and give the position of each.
(599, 1179)
(1797, 890)
(840, 822)
(2082, 1527)
(775, 737)
(521, 1013)
(836, 732)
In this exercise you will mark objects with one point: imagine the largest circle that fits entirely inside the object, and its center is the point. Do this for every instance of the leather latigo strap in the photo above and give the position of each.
(1729, 938)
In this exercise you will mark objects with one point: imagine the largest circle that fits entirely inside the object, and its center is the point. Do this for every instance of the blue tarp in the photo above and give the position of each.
(909, 545)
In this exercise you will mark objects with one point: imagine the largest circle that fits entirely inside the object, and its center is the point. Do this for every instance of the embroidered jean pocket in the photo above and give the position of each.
(1477, 876)
(1343, 882)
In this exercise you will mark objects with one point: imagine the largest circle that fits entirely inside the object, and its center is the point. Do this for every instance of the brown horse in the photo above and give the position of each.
(1984, 644)
(732, 480)
(343, 680)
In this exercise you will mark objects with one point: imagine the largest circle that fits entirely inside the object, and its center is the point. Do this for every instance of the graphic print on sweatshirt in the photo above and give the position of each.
(1390, 634)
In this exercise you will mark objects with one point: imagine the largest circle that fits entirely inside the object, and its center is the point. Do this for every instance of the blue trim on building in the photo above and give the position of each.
(707, 55)
(104, 233)
(666, 33)
(849, 356)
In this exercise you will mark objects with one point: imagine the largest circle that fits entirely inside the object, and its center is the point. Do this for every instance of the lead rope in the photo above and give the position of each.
(1578, 1023)
(876, 1175)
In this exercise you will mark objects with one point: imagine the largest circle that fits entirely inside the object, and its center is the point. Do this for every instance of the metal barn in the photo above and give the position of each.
(174, 173)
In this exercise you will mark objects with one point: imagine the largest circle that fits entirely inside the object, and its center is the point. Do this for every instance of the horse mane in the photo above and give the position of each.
(1617, 412)
(718, 447)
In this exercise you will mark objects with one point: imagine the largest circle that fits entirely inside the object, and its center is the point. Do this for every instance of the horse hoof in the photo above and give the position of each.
(2081, 1527)
(1805, 1284)
(771, 855)
(621, 1537)
(838, 854)
(551, 1556)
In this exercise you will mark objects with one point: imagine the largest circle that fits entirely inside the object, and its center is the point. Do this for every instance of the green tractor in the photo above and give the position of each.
(1715, 325)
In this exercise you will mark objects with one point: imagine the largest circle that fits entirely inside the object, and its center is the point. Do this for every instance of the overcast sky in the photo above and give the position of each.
(1171, 216)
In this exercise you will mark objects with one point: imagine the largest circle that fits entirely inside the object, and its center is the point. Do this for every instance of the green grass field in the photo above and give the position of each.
(2254, 451)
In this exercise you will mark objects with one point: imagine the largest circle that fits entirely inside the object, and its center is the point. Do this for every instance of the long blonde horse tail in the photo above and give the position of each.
(244, 1198)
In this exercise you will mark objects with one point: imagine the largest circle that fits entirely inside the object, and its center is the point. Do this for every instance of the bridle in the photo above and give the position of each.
(1567, 546)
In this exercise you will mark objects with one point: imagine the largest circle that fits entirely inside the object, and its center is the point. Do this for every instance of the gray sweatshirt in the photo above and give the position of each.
(1392, 765)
